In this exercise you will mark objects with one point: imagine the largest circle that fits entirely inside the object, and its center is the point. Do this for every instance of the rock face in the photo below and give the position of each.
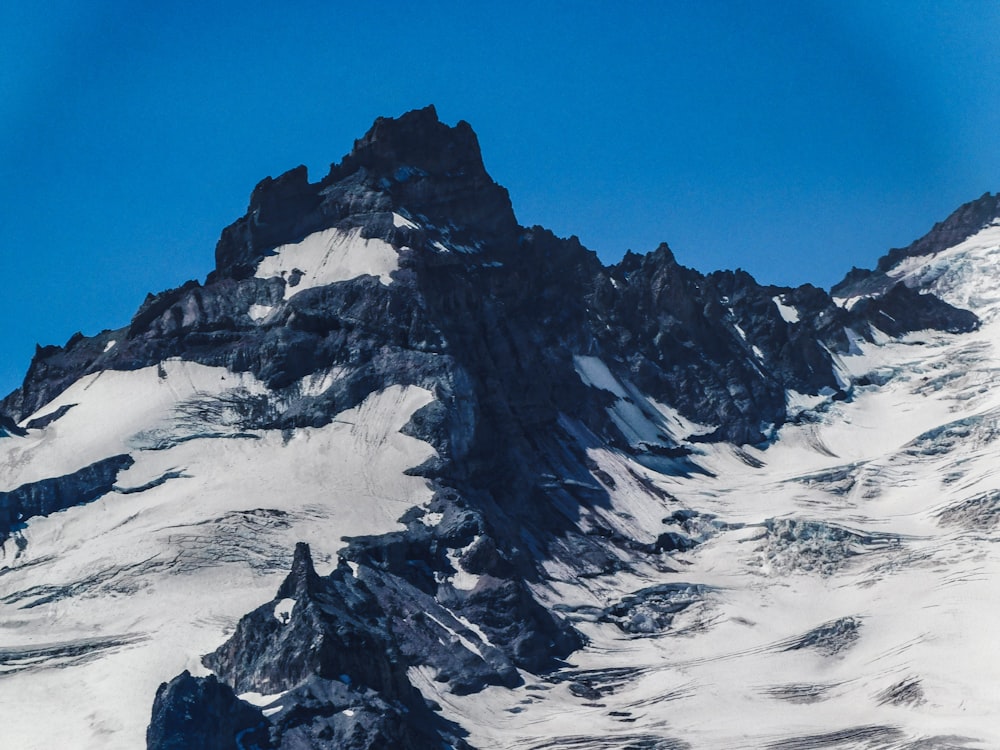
(405, 266)
(339, 662)
(203, 714)
(474, 286)
(50, 495)
(435, 171)
(963, 223)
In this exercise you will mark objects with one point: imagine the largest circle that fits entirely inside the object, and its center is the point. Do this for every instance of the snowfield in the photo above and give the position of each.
(106, 601)
(327, 257)
(845, 594)
(842, 592)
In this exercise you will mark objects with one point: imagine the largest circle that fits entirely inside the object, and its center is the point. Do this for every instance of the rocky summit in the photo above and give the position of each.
(402, 473)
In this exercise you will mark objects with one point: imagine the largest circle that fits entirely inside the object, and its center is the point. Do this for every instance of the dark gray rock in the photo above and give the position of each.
(331, 715)
(343, 650)
(901, 310)
(829, 638)
(964, 222)
(9, 427)
(201, 713)
(488, 316)
(48, 496)
(492, 332)
(335, 629)
(40, 423)
(434, 171)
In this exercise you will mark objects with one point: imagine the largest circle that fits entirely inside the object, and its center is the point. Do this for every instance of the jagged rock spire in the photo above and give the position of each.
(413, 163)
(302, 580)
(419, 140)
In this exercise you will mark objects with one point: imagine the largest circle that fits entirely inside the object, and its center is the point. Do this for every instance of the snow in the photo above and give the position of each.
(283, 610)
(788, 313)
(453, 247)
(788, 556)
(399, 221)
(109, 346)
(327, 257)
(641, 419)
(796, 403)
(849, 302)
(258, 699)
(432, 519)
(594, 372)
(151, 581)
(258, 312)
(964, 275)
(320, 381)
(842, 519)
(461, 580)
(111, 409)
(456, 637)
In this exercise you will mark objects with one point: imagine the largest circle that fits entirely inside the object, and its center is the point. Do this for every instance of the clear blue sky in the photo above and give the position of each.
(792, 139)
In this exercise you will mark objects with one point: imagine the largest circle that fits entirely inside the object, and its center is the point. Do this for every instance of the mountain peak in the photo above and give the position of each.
(417, 140)
(302, 580)
(414, 162)
(963, 222)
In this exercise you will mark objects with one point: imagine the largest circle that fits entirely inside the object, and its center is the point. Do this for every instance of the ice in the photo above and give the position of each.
(852, 563)
(851, 560)
(964, 275)
(327, 257)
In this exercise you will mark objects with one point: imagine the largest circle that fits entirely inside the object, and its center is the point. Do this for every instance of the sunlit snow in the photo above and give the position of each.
(327, 257)
(400, 221)
(842, 592)
(136, 587)
(855, 532)
(259, 312)
(788, 313)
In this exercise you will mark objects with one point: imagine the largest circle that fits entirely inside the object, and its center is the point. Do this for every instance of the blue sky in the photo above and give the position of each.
(792, 139)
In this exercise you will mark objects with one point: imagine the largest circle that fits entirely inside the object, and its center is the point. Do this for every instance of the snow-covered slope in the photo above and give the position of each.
(402, 473)
(843, 595)
(100, 603)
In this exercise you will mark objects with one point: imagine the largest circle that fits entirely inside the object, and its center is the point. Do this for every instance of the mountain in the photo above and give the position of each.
(403, 473)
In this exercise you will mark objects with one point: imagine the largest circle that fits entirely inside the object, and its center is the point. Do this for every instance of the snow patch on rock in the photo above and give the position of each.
(788, 313)
(327, 257)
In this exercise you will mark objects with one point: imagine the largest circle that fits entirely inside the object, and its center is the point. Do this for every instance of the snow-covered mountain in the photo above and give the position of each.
(404, 474)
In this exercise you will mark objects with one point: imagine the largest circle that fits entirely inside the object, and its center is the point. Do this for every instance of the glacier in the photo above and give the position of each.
(402, 473)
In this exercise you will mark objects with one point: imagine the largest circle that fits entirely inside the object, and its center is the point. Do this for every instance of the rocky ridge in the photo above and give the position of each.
(509, 328)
